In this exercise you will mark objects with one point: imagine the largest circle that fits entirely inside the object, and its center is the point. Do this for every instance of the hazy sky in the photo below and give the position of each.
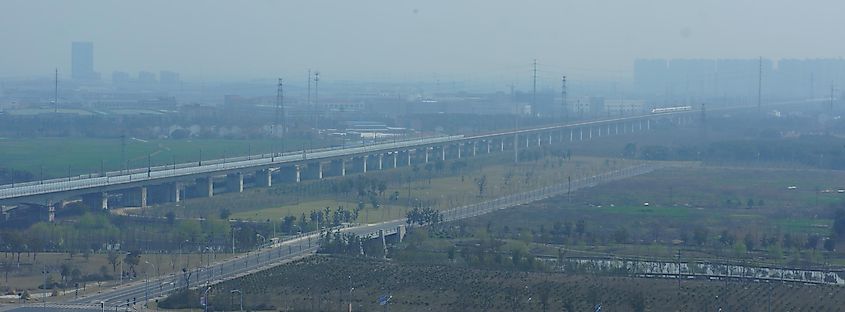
(396, 39)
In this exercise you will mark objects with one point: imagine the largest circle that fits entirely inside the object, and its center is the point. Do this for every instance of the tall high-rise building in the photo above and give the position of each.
(82, 61)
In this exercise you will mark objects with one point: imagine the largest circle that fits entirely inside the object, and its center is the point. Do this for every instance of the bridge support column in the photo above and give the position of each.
(235, 182)
(206, 186)
(539, 139)
(409, 158)
(96, 200)
(581, 134)
(383, 242)
(343, 167)
(474, 148)
(460, 147)
(264, 178)
(51, 211)
(177, 195)
(488, 147)
(319, 170)
(571, 135)
(590, 137)
(400, 233)
(380, 161)
(426, 154)
(503, 145)
(648, 124)
(616, 126)
(298, 169)
(443, 153)
(143, 197)
(550, 138)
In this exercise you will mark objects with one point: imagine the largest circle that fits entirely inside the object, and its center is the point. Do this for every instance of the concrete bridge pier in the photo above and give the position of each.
(98, 200)
(319, 170)
(409, 158)
(571, 135)
(400, 233)
(474, 149)
(143, 196)
(395, 159)
(235, 182)
(580, 134)
(51, 211)
(488, 146)
(383, 242)
(380, 161)
(205, 186)
(539, 139)
(443, 153)
(177, 192)
(264, 178)
(460, 147)
(426, 154)
(503, 145)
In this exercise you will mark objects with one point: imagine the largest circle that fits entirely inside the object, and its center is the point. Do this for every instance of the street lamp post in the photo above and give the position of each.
(146, 287)
(205, 299)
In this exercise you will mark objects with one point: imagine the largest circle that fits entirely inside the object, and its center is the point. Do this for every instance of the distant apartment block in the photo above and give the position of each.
(82, 61)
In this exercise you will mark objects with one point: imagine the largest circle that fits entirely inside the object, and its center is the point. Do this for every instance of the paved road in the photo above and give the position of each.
(290, 250)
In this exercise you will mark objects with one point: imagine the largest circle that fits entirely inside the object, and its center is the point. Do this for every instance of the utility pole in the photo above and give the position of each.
(123, 150)
(832, 90)
(308, 102)
(563, 97)
(760, 84)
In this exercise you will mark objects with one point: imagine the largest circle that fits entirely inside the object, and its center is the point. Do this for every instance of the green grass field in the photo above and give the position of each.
(444, 191)
(85, 155)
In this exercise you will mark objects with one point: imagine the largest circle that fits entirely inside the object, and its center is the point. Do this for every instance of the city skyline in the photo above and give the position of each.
(423, 41)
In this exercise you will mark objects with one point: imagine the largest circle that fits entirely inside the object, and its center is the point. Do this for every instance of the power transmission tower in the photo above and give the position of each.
(563, 98)
(316, 102)
(534, 87)
(760, 84)
(280, 113)
(308, 102)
